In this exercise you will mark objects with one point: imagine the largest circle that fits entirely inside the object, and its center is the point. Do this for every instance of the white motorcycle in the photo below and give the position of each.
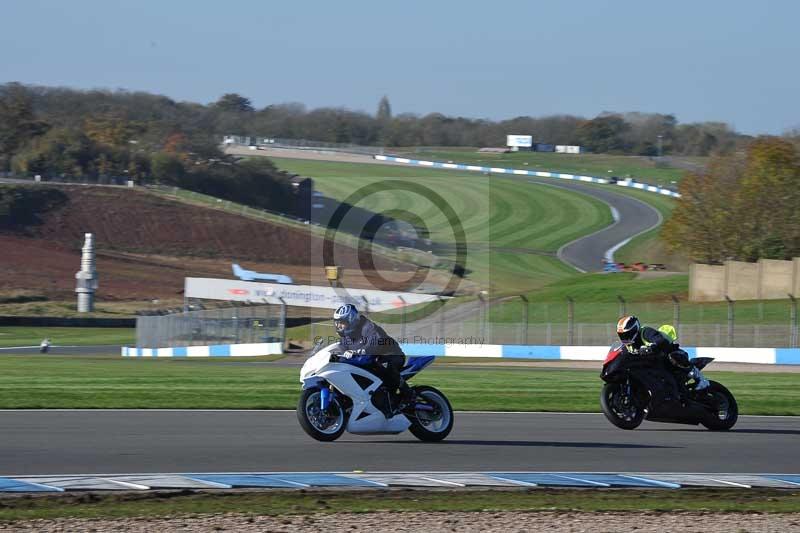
(339, 396)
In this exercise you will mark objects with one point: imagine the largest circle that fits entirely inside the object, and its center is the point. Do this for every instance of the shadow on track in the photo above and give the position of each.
(734, 431)
(532, 443)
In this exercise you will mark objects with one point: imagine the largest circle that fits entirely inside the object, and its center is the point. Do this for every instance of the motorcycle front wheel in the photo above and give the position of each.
(325, 426)
(620, 408)
(434, 421)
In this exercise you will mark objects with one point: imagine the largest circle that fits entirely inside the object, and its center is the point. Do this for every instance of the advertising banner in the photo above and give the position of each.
(300, 295)
(520, 141)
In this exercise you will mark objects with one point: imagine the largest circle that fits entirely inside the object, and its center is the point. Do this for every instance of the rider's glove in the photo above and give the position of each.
(645, 351)
(348, 354)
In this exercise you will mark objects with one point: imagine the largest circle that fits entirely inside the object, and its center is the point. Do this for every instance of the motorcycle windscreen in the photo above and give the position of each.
(613, 353)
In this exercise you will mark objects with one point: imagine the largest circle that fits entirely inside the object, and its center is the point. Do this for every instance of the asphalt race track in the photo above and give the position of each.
(109, 442)
(633, 217)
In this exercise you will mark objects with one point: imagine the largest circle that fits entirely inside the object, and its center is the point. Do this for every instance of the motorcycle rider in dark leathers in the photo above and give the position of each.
(367, 344)
(651, 342)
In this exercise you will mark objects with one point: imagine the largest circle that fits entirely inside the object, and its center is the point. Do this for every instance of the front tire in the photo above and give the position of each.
(322, 426)
(431, 426)
(726, 410)
(620, 409)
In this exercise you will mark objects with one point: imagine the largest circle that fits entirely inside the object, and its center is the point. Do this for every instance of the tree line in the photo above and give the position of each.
(122, 125)
(745, 206)
(99, 136)
(630, 133)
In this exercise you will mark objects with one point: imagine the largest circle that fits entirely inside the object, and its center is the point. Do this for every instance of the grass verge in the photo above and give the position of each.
(114, 382)
(512, 230)
(649, 297)
(277, 502)
(32, 336)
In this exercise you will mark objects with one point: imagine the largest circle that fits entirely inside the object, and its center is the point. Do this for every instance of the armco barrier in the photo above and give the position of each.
(762, 356)
(523, 172)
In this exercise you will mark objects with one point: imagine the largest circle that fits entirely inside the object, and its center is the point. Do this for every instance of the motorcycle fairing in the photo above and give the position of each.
(364, 417)
(415, 365)
(655, 377)
(701, 362)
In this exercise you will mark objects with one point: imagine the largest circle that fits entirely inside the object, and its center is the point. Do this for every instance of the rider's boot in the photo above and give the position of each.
(406, 393)
(701, 383)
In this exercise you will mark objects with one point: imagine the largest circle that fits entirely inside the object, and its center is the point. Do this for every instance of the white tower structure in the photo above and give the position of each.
(87, 277)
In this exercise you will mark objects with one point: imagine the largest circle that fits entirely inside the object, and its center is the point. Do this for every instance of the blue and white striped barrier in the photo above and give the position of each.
(648, 188)
(764, 356)
(523, 172)
(214, 350)
(382, 480)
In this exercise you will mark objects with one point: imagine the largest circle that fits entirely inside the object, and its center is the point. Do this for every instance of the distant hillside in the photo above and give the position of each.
(147, 244)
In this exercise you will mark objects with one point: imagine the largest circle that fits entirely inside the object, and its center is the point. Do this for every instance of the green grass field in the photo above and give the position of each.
(520, 216)
(32, 336)
(31, 381)
(595, 297)
(645, 247)
(497, 214)
(600, 165)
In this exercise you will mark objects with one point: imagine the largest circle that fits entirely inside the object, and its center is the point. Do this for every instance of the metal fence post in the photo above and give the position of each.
(730, 320)
(570, 321)
(402, 320)
(623, 308)
(282, 323)
(676, 314)
(793, 340)
(442, 302)
(525, 315)
(482, 317)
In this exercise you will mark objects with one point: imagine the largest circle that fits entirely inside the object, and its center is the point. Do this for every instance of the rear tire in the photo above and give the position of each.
(622, 415)
(431, 426)
(320, 426)
(728, 412)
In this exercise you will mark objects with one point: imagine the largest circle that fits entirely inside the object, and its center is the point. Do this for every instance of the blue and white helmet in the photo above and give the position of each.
(345, 319)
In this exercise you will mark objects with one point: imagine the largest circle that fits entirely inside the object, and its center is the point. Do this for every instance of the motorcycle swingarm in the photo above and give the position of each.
(685, 421)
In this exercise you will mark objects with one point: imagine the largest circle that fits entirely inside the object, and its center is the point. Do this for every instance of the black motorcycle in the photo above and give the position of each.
(639, 388)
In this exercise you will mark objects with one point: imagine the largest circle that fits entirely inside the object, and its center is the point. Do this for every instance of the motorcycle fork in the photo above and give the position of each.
(628, 391)
(325, 396)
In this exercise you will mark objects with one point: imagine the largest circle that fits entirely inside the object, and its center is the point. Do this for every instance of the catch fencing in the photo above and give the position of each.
(771, 324)
(578, 334)
(234, 325)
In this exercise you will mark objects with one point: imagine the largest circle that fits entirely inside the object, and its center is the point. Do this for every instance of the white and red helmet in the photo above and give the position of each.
(628, 329)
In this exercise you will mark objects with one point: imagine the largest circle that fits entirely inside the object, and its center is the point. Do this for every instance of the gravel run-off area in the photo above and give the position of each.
(505, 522)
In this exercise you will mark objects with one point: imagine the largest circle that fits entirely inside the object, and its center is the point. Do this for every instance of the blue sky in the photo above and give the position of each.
(733, 61)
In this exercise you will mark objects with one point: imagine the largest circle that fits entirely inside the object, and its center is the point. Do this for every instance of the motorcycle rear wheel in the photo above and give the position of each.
(431, 426)
(727, 409)
(617, 411)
